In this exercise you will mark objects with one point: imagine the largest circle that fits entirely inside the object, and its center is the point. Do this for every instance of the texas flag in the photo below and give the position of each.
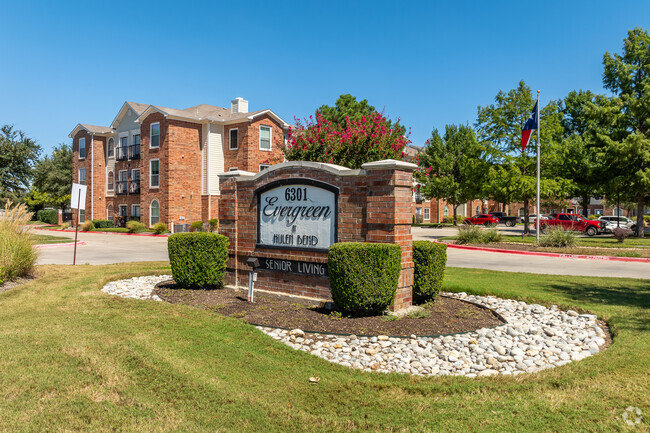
(531, 124)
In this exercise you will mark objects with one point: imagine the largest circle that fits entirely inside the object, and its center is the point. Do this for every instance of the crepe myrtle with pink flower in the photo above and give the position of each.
(349, 134)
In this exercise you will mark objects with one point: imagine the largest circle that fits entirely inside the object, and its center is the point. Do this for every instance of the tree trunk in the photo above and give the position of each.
(454, 207)
(585, 203)
(526, 217)
(639, 216)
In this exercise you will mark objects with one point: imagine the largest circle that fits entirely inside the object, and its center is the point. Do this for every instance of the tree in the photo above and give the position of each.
(627, 151)
(499, 129)
(577, 158)
(452, 167)
(349, 134)
(18, 155)
(53, 178)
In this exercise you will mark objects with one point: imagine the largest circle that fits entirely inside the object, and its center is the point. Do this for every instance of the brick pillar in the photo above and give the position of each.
(389, 215)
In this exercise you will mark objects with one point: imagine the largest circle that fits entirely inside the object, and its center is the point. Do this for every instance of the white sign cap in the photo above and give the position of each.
(78, 196)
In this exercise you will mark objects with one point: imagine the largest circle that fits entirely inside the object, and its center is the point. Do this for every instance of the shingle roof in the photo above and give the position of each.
(205, 111)
(97, 129)
(138, 107)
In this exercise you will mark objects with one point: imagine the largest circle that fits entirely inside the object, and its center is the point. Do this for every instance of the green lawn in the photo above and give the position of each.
(75, 359)
(48, 239)
(595, 242)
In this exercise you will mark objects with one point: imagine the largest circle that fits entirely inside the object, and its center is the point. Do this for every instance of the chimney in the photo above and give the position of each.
(239, 105)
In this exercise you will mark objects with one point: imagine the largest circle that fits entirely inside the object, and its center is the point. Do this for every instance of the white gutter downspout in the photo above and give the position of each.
(207, 170)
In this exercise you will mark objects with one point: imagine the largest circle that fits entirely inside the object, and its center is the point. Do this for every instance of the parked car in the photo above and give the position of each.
(574, 222)
(611, 222)
(503, 217)
(482, 219)
(532, 218)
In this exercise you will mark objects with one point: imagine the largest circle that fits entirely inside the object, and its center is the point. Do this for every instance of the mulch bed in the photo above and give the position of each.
(444, 316)
(8, 285)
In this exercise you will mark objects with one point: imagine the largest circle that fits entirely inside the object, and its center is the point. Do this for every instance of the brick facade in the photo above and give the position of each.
(374, 205)
(181, 193)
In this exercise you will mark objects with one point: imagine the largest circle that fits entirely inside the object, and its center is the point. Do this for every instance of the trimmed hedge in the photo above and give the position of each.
(49, 216)
(103, 224)
(430, 260)
(198, 260)
(364, 276)
(135, 226)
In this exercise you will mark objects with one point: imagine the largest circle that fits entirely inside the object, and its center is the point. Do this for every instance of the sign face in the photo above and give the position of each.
(78, 196)
(298, 214)
(294, 267)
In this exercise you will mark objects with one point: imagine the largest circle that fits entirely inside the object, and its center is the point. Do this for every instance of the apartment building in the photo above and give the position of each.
(159, 164)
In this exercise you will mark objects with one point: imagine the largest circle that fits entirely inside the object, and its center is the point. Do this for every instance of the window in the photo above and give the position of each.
(446, 211)
(233, 139)
(82, 176)
(111, 148)
(618, 211)
(110, 184)
(82, 216)
(135, 211)
(598, 211)
(122, 148)
(123, 181)
(154, 134)
(134, 185)
(82, 148)
(264, 166)
(109, 212)
(134, 150)
(418, 211)
(123, 210)
(154, 212)
(564, 218)
(427, 213)
(286, 137)
(154, 173)
(265, 137)
(478, 209)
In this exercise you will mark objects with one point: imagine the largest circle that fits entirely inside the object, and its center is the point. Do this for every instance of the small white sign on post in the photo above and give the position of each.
(77, 201)
(78, 196)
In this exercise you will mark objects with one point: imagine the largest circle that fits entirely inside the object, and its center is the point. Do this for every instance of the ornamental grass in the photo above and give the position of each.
(17, 253)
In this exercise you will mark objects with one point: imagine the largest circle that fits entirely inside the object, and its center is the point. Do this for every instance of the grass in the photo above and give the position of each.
(75, 359)
(48, 239)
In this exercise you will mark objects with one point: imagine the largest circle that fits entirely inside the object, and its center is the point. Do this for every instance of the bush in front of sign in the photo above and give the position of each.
(364, 276)
(430, 260)
(198, 260)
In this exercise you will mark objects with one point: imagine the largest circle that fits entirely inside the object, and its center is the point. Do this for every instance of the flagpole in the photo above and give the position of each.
(538, 220)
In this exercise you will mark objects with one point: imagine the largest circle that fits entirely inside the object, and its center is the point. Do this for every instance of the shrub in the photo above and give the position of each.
(17, 255)
(557, 237)
(135, 226)
(429, 259)
(196, 226)
(65, 225)
(213, 224)
(103, 224)
(88, 226)
(646, 218)
(468, 234)
(198, 260)
(620, 233)
(490, 235)
(159, 228)
(593, 217)
(364, 276)
(48, 216)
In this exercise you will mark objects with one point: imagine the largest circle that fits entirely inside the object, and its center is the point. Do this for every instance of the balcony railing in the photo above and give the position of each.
(134, 151)
(121, 153)
(134, 186)
(122, 187)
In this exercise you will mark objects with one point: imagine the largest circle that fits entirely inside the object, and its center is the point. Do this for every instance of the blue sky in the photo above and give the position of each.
(429, 63)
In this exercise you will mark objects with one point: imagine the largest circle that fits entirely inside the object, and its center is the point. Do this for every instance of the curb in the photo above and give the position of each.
(67, 244)
(111, 233)
(538, 253)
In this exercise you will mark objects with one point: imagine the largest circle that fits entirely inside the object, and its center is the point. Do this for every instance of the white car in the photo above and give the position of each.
(532, 218)
(613, 222)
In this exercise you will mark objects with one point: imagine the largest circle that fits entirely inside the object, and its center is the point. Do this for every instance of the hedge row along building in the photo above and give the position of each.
(159, 164)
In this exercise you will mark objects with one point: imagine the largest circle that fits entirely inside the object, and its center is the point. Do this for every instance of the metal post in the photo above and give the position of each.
(538, 221)
(76, 230)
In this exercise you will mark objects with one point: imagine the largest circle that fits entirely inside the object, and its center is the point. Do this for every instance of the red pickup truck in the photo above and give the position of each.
(574, 222)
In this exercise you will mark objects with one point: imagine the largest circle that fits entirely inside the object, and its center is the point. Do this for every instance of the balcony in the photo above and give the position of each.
(122, 187)
(134, 151)
(121, 153)
(134, 186)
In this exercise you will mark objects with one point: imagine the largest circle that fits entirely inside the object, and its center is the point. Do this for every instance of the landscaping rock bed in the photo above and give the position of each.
(534, 338)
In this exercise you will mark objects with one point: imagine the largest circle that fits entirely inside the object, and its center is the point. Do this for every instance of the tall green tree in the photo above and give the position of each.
(53, 178)
(499, 129)
(627, 150)
(18, 156)
(452, 167)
